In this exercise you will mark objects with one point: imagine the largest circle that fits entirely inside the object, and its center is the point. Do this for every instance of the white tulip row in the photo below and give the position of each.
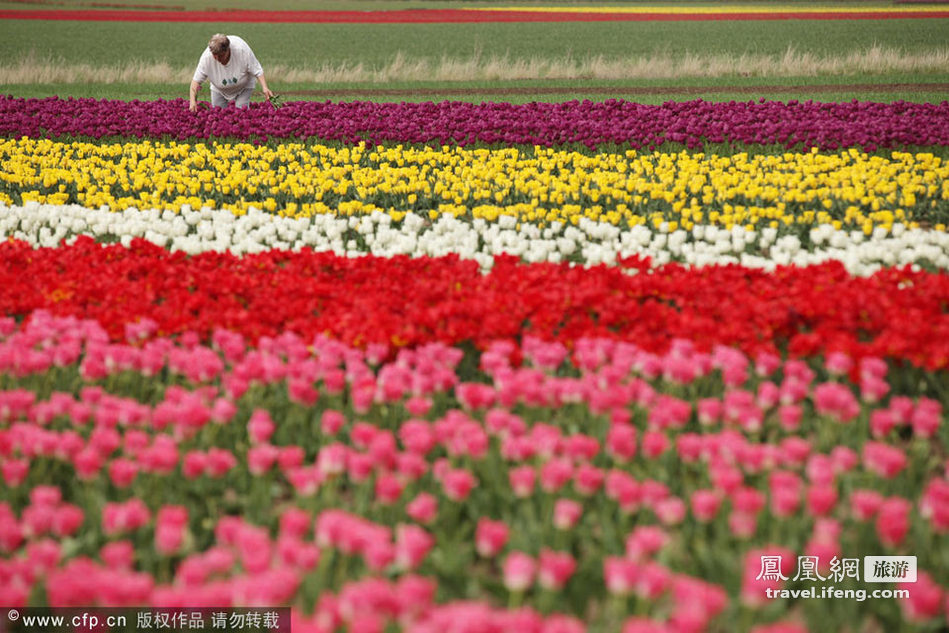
(589, 242)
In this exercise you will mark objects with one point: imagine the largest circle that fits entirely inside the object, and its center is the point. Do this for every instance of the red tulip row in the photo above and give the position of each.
(396, 302)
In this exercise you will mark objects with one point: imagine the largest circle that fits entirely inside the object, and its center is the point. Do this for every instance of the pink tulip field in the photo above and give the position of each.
(524, 487)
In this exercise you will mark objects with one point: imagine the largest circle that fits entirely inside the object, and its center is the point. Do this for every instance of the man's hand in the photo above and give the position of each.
(195, 89)
(264, 88)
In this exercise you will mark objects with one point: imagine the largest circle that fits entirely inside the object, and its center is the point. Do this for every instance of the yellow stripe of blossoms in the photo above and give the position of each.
(848, 189)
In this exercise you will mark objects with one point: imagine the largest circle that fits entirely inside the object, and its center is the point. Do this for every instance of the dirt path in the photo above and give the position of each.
(622, 90)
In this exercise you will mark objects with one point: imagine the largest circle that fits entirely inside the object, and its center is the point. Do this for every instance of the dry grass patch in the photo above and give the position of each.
(32, 69)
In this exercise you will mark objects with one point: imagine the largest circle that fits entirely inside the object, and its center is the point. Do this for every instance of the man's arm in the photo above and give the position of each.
(195, 89)
(263, 86)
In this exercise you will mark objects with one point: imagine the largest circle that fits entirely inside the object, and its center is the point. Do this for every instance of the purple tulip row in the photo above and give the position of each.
(828, 126)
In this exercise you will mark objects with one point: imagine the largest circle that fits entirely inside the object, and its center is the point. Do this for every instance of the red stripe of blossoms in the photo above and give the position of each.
(445, 16)
(895, 313)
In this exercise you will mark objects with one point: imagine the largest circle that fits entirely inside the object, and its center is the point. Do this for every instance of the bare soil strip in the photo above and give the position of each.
(621, 90)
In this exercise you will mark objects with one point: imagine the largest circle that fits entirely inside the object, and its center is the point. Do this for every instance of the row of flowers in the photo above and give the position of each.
(539, 185)
(694, 123)
(896, 313)
(381, 234)
(542, 489)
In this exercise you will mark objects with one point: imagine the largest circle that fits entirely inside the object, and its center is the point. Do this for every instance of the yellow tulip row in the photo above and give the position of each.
(542, 185)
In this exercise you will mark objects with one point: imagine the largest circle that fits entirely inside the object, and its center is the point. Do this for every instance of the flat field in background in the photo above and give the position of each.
(649, 62)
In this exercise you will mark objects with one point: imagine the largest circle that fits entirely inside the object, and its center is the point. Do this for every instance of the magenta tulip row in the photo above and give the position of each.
(809, 124)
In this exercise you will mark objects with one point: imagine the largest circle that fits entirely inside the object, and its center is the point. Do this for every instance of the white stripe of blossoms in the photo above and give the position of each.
(588, 243)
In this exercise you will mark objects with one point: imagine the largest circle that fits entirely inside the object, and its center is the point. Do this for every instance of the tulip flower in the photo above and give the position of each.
(423, 508)
(412, 545)
(566, 513)
(554, 569)
(892, 522)
(925, 601)
(458, 483)
(518, 569)
(331, 422)
(621, 442)
(490, 537)
(884, 460)
(260, 427)
(705, 504)
(522, 480)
